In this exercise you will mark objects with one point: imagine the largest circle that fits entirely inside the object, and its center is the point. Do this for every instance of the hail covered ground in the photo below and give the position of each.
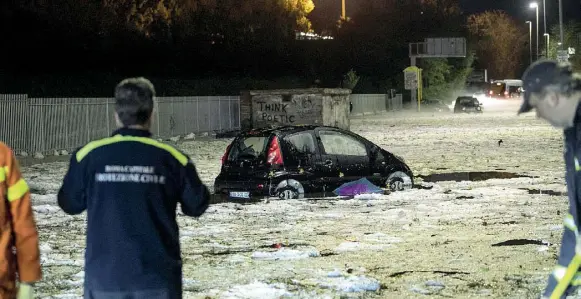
(484, 221)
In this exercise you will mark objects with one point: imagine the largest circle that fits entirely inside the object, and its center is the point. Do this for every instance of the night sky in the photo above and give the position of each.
(517, 8)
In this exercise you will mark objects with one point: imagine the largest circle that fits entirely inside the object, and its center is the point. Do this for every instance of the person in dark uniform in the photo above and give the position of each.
(554, 92)
(130, 186)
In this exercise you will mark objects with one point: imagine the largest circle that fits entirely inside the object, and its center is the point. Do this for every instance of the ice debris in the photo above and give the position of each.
(352, 284)
(334, 274)
(45, 209)
(372, 196)
(285, 254)
(256, 290)
(356, 246)
(45, 248)
(433, 286)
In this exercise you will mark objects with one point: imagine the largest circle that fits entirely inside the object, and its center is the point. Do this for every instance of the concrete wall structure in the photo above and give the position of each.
(282, 107)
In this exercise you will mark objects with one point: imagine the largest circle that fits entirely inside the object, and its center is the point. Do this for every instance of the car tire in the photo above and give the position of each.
(289, 189)
(287, 193)
(399, 181)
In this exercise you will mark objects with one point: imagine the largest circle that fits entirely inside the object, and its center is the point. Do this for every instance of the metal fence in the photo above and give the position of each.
(375, 103)
(48, 124)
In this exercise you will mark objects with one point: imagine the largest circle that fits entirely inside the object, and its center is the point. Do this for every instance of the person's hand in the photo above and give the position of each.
(25, 291)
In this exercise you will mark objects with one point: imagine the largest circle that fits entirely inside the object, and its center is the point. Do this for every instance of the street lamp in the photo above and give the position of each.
(560, 25)
(530, 40)
(544, 17)
(545, 27)
(548, 40)
(536, 6)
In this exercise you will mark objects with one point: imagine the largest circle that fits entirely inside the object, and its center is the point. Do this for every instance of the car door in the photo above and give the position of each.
(301, 154)
(348, 153)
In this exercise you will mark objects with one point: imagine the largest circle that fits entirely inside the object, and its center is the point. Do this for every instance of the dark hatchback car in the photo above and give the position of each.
(289, 162)
(467, 105)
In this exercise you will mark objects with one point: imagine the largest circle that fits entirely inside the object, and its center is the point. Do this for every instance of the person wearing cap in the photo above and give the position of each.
(130, 186)
(554, 92)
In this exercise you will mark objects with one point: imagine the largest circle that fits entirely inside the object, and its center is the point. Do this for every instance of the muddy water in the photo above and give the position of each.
(470, 176)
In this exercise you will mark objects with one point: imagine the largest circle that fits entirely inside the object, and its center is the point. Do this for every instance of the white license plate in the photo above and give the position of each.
(237, 194)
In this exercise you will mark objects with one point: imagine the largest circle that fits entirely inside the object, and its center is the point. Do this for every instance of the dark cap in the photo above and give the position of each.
(539, 75)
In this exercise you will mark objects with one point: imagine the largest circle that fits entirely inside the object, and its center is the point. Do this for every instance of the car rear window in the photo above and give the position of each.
(247, 148)
(513, 89)
(497, 87)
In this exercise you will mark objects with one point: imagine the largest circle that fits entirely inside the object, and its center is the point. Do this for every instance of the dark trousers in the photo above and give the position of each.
(143, 294)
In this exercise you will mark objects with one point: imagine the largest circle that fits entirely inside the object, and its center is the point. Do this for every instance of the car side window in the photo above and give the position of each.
(303, 142)
(336, 143)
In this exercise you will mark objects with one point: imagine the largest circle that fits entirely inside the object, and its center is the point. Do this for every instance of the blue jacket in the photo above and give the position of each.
(130, 185)
(565, 278)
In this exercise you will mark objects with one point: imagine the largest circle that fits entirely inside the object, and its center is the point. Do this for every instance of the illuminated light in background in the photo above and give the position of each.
(311, 36)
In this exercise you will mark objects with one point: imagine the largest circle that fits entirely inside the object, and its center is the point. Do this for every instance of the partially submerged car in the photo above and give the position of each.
(467, 104)
(289, 162)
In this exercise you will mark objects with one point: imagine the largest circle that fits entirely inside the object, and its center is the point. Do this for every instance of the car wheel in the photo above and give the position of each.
(287, 193)
(399, 181)
(289, 189)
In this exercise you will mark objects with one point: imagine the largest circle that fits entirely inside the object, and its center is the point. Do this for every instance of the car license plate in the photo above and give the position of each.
(238, 194)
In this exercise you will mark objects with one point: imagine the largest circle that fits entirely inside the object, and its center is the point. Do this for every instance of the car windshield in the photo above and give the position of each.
(467, 101)
(247, 148)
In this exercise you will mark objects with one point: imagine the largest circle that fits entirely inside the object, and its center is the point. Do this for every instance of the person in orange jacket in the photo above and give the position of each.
(19, 268)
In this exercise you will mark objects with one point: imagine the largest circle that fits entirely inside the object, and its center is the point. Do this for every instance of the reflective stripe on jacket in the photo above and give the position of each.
(17, 228)
(564, 280)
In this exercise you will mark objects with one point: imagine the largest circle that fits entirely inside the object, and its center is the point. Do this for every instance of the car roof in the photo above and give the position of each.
(285, 130)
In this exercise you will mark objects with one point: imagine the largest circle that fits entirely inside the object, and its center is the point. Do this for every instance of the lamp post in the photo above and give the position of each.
(544, 17)
(545, 28)
(561, 25)
(530, 41)
(548, 40)
(536, 6)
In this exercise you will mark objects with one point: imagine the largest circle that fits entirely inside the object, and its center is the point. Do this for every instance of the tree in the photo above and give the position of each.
(571, 38)
(500, 42)
(444, 77)
(150, 18)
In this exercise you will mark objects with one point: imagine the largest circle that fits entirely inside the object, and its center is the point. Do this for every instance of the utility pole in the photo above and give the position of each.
(544, 17)
(538, 33)
(545, 29)
(561, 24)
(530, 41)
(343, 14)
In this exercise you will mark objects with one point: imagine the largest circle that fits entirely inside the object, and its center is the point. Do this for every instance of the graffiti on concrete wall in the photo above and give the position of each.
(295, 109)
(274, 112)
(304, 106)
